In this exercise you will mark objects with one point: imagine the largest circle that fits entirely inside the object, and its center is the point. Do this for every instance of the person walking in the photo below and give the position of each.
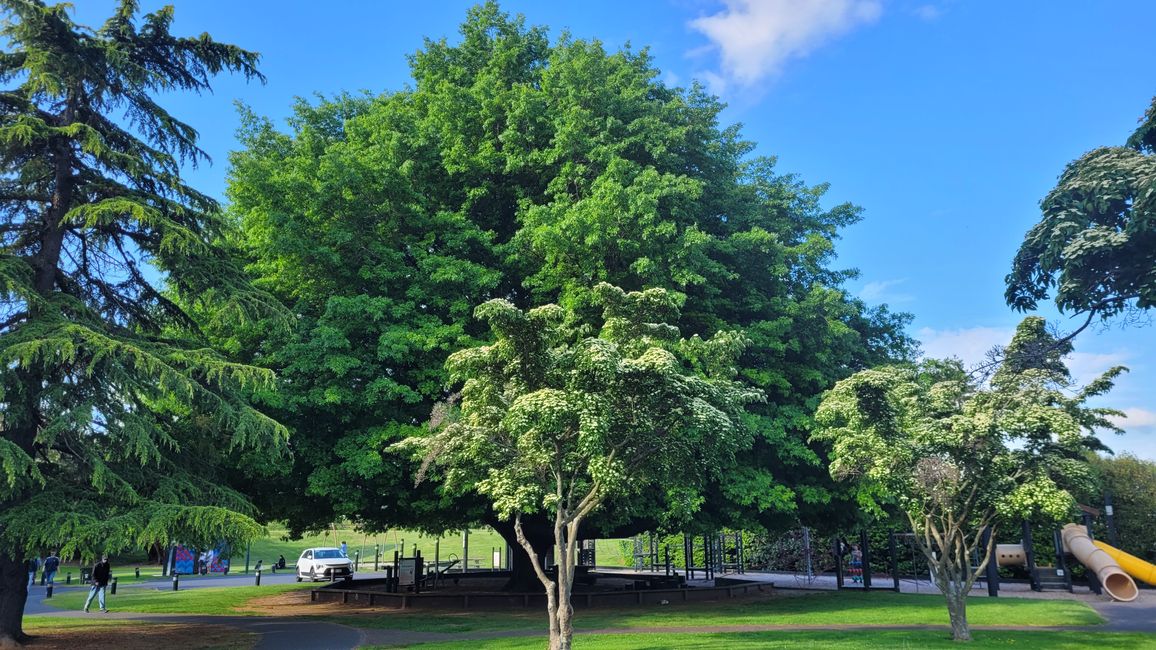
(101, 574)
(51, 564)
(344, 550)
(31, 565)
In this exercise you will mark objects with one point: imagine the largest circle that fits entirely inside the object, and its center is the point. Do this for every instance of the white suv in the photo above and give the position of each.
(324, 564)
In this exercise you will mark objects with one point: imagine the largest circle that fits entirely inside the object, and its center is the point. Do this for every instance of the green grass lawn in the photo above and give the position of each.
(33, 624)
(483, 542)
(833, 608)
(209, 600)
(824, 640)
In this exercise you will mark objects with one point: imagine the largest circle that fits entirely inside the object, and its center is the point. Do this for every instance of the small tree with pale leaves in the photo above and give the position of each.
(956, 457)
(553, 421)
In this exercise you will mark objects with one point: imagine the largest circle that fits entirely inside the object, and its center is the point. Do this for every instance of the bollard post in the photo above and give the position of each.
(357, 560)
(49, 593)
(138, 572)
(68, 578)
(257, 577)
(376, 556)
(176, 581)
(113, 585)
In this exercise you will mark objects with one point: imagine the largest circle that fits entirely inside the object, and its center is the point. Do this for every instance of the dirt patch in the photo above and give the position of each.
(297, 603)
(144, 637)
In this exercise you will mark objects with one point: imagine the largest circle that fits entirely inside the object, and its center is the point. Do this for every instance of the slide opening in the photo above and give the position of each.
(1120, 587)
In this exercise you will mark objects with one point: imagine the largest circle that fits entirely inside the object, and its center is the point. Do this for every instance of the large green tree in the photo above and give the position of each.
(113, 412)
(956, 457)
(554, 421)
(1095, 247)
(527, 170)
(1132, 483)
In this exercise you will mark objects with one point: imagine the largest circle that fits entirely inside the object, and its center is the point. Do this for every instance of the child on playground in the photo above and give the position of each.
(856, 564)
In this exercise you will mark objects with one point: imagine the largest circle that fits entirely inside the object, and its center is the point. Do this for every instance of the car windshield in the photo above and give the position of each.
(327, 554)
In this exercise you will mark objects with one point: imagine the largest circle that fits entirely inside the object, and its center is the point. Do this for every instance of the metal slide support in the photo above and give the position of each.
(992, 570)
(1030, 556)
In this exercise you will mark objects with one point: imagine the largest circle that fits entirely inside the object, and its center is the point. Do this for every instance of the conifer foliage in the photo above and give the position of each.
(112, 410)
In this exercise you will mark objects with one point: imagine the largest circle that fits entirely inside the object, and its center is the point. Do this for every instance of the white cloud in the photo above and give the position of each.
(755, 38)
(928, 12)
(880, 291)
(1086, 366)
(968, 344)
(1137, 418)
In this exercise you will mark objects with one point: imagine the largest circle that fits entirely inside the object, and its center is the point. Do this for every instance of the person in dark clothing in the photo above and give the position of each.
(31, 565)
(51, 564)
(101, 574)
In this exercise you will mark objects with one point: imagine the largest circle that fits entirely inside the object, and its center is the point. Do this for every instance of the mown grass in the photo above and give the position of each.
(208, 600)
(483, 542)
(38, 623)
(835, 608)
(825, 640)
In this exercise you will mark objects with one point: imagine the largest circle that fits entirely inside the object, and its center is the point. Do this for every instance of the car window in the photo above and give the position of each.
(308, 555)
(328, 554)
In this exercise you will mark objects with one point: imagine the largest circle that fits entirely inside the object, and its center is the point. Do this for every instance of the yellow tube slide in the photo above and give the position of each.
(1132, 565)
(1116, 583)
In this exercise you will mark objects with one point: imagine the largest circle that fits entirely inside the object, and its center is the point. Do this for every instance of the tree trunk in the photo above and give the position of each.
(564, 611)
(13, 594)
(540, 535)
(957, 612)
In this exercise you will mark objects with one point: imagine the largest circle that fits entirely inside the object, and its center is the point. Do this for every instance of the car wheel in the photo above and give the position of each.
(299, 578)
(313, 575)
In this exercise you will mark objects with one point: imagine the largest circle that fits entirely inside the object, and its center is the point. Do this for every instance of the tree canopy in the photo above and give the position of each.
(1095, 246)
(529, 170)
(956, 457)
(113, 410)
(1132, 483)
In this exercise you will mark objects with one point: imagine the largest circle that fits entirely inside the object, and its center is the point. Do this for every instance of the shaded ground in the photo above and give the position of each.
(134, 636)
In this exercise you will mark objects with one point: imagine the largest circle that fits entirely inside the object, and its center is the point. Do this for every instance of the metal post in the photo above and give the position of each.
(113, 586)
(68, 578)
(666, 562)
(1030, 555)
(418, 571)
(176, 581)
(807, 553)
(838, 563)
(138, 572)
(992, 570)
(1110, 518)
(865, 546)
(376, 556)
(465, 550)
(706, 557)
(248, 547)
(357, 560)
(688, 556)
(891, 548)
(48, 594)
(257, 578)
(1061, 560)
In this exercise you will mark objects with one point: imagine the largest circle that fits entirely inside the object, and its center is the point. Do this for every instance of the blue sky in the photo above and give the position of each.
(946, 120)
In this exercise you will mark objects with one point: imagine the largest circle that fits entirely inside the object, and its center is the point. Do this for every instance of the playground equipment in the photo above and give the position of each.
(1112, 578)
(1132, 565)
